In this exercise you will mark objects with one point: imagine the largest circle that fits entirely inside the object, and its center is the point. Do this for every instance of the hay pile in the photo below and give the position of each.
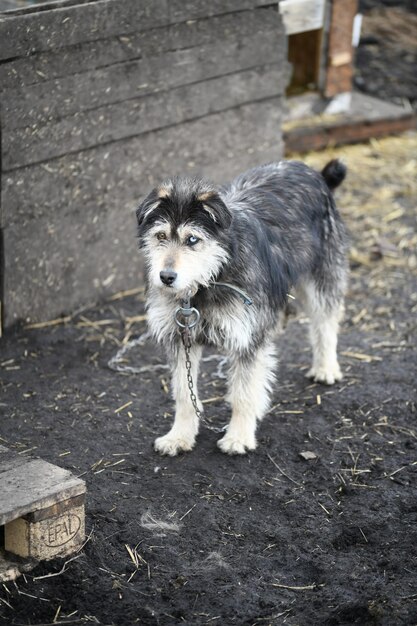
(378, 203)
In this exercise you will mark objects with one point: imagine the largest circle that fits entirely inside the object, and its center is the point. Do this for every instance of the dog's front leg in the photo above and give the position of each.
(250, 380)
(183, 433)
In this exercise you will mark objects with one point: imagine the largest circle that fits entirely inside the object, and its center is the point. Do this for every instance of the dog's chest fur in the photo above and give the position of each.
(225, 323)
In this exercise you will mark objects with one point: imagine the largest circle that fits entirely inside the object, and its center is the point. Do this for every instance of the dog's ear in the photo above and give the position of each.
(147, 207)
(217, 210)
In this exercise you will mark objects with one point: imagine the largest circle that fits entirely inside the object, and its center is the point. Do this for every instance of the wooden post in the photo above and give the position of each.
(340, 50)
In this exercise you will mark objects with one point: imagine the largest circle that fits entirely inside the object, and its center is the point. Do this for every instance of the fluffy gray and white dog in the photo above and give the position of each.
(272, 230)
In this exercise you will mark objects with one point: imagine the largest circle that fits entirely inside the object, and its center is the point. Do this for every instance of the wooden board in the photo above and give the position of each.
(27, 485)
(300, 16)
(77, 59)
(25, 146)
(367, 117)
(25, 33)
(41, 510)
(75, 93)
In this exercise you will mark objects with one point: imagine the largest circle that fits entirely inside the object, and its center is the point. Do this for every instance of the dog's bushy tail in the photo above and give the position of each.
(334, 173)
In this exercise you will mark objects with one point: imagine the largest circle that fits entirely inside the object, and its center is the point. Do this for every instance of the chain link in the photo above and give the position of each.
(186, 341)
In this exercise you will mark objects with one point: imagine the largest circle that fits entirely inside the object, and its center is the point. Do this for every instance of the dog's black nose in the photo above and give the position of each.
(168, 276)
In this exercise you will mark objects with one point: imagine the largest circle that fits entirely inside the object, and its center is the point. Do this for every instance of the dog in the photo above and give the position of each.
(272, 230)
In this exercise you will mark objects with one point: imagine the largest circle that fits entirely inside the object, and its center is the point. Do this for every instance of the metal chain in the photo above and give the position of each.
(186, 340)
(185, 317)
(190, 316)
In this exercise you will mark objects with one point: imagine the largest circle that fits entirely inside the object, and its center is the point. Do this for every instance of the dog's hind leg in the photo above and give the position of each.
(183, 433)
(325, 314)
(323, 335)
(250, 380)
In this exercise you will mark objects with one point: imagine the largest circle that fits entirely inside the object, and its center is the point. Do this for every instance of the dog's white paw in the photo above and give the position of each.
(233, 444)
(325, 375)
(173, 443)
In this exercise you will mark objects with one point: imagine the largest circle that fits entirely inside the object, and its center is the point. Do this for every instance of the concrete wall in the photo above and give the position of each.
(100, 100)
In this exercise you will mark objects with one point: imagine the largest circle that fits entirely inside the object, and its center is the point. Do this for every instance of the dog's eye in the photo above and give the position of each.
(192, 240)
(161, 236)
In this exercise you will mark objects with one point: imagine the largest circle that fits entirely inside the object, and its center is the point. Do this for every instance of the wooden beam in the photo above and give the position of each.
(339, 71)
(369, 117)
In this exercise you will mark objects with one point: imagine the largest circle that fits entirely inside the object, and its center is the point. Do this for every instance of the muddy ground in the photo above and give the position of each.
(268, 538)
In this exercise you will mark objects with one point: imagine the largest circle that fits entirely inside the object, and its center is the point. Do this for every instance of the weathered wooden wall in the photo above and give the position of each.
(99, 100)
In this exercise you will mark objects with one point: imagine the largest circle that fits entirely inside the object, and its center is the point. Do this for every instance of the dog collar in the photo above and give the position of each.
(191, 315)
(240, 292)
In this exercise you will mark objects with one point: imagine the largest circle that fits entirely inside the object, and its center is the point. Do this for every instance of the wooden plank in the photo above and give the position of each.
(368, 117)
(35, 485)
(317, 138)
(112, 176)
(134, 117)
(81, 92)
(39, 31)
(46, 5)
(183, 10)
(56, 509)
(339, 71)
(28, 33)
(46, 66)
(76, 59)
(66, 256)
(300, 16)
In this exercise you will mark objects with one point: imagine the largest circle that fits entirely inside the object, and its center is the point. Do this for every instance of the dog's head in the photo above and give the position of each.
(182, 231)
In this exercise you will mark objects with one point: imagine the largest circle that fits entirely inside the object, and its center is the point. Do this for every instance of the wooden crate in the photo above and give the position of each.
(41, 510)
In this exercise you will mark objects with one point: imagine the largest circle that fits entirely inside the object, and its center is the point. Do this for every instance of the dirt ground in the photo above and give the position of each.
(268, 538)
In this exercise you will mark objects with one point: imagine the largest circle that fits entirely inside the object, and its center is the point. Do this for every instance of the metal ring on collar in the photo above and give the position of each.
(187, 313)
